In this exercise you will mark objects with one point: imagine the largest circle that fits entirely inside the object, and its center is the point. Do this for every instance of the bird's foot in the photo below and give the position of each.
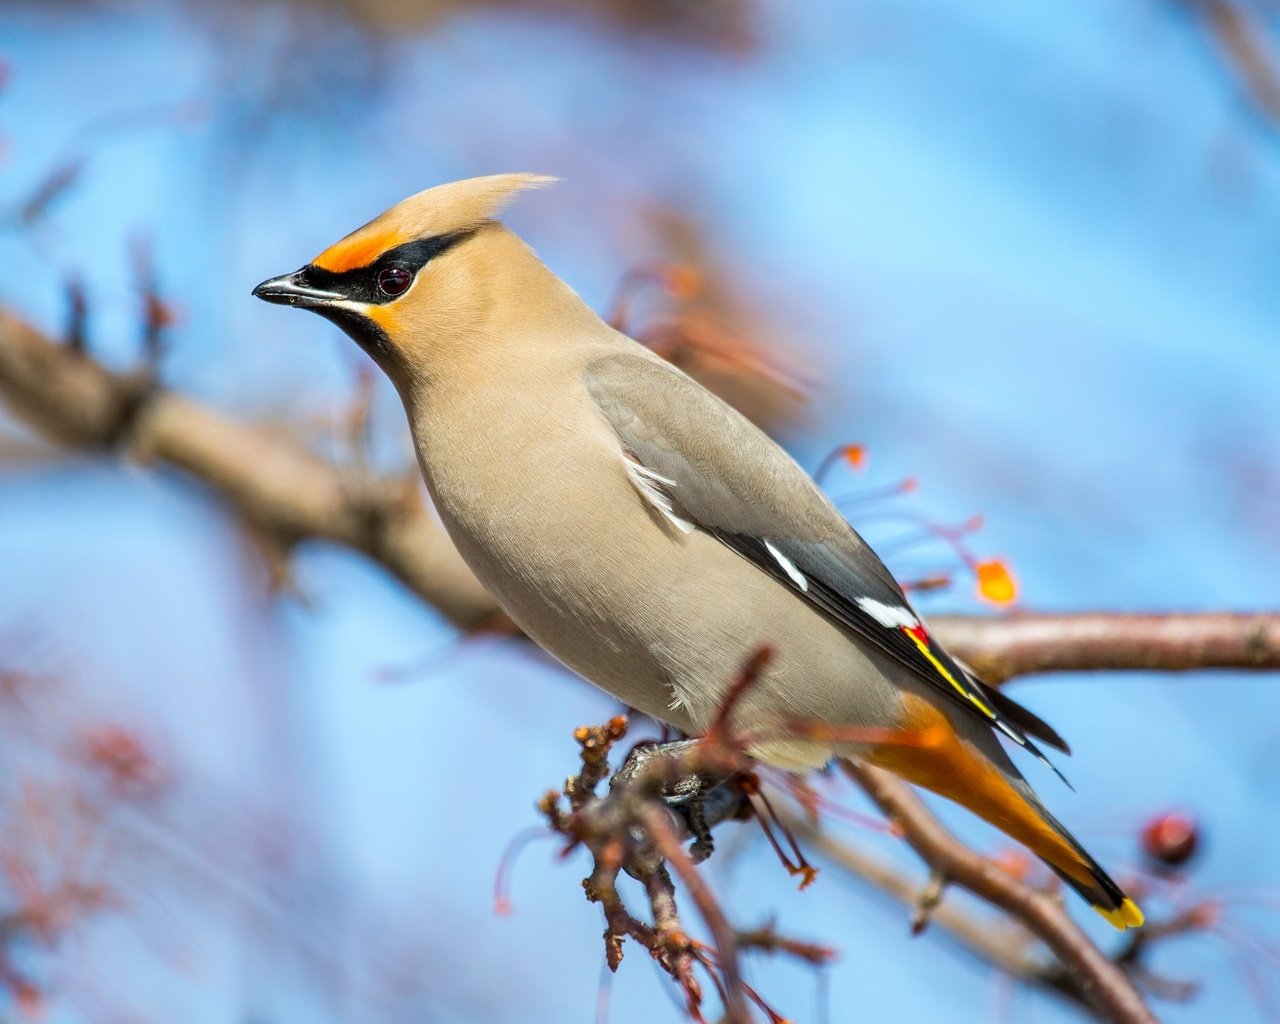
(685, 793)
(660, 764)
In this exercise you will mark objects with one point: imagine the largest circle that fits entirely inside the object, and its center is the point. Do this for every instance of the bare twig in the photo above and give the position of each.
(595, 743)
(631, 828)
(657, 825)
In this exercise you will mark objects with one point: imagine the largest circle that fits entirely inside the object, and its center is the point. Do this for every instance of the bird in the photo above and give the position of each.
(650, 537)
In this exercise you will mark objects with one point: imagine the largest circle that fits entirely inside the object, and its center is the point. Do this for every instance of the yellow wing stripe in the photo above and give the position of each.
(942, 671)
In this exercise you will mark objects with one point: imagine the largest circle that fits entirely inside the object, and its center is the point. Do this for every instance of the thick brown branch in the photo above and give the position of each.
(1104, 985)
(285, 491)
(1001, 648)
(292, 495)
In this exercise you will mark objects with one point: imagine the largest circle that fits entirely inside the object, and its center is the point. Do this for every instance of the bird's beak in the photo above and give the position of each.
(293, 290)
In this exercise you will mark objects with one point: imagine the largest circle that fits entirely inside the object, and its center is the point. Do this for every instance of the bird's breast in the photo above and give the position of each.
(536, 496)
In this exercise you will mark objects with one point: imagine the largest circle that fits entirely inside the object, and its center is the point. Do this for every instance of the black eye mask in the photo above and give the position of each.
(361, 283)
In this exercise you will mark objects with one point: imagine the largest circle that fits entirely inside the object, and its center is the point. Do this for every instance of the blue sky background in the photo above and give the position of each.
(1028, 249)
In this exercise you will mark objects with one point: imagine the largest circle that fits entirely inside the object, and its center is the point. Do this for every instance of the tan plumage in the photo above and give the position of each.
(645, 533)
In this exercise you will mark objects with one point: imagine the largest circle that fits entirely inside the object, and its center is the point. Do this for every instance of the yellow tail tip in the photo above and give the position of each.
(1127, 915)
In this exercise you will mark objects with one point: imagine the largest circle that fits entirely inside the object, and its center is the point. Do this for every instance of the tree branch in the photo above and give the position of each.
(1000, 648)
(292, 495)
(1104, 985)
(629, 827)
(286, 492)
(1002, 946)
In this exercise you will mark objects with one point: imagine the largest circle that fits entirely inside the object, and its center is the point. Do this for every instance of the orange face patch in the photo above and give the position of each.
(384, 316)
(358, 250)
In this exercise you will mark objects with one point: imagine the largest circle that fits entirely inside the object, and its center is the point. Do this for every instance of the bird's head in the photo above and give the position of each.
(420, 272)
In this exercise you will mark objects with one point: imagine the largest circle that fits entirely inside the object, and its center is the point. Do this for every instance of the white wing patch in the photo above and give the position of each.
(888, 615)
(789, 567)
(1004, 728)
(646, 481)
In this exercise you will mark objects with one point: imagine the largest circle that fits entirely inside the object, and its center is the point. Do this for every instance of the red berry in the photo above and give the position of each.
(1171, 839)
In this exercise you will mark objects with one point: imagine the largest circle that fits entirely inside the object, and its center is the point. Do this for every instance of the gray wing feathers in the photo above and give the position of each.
(728, 476)
(697, 461)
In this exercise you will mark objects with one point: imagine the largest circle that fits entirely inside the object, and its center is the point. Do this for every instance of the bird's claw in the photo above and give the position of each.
(684, 793)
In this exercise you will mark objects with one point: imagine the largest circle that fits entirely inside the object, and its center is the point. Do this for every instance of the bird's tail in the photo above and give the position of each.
(1082, 873)
(988, 784)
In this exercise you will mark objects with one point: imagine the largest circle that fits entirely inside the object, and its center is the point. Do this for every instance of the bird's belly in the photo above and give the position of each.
(663, 620)
(666, 622)
(559, 575)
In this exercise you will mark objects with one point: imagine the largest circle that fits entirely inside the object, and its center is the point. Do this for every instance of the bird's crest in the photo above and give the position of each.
(442, 210)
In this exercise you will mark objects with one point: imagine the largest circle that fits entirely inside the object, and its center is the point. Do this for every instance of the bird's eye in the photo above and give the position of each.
(394, 281)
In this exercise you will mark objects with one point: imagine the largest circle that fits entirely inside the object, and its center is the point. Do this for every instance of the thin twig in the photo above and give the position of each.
(657, 825)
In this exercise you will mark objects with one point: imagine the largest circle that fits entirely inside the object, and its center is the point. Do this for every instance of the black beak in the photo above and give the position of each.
(294, 290)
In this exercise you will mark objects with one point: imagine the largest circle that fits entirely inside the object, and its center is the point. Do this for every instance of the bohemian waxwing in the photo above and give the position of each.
(645, 533)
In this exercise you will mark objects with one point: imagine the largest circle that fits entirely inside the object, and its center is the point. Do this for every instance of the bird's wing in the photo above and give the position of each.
(701, 465)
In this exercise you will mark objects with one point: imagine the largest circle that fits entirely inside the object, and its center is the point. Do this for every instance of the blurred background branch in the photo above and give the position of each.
(288, 495)
(1102, 983)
